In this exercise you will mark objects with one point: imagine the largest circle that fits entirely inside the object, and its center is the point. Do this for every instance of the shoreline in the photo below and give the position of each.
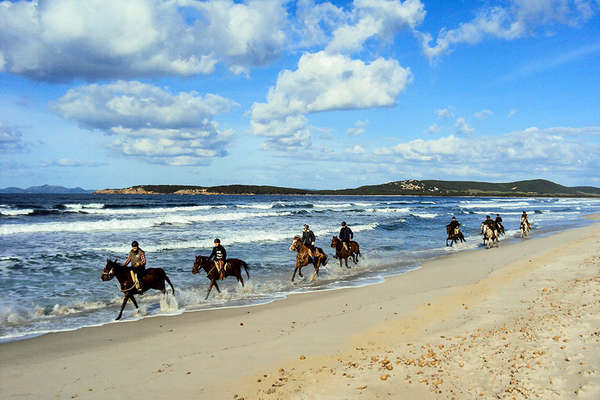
(241, 341)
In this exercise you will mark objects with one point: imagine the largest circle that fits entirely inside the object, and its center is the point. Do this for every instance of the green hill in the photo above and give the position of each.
(536, 187)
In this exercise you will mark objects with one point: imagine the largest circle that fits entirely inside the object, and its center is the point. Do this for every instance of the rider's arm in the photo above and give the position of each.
(351, 233)
(142, 259)
(127, 261)
(213, 254)
(224, 253)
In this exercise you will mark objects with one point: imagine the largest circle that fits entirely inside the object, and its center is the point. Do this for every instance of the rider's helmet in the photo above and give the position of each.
(134, 244)
(343, 223)
(218, 241)
(305, 226)
(453, 217)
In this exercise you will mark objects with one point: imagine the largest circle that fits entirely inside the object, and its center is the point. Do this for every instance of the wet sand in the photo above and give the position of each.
(517, 321)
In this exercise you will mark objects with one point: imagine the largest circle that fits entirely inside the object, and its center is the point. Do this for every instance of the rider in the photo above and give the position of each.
(308, 238)
(219, 255)
(137, 258)
(499, 222)
(453, 225)
(491, 223)
(346, 235)
(525, 220)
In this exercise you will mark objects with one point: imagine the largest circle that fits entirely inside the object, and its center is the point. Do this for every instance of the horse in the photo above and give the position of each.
(152, 278)
(233, 267)
(489, 235)
(303, 258)
(500, 228)
(342, 253)
(524, 228)
(454, 237)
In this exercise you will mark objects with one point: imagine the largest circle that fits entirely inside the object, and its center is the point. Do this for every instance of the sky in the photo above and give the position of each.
(307, 94)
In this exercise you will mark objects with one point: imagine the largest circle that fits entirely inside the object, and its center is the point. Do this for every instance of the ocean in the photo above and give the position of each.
(53, 248)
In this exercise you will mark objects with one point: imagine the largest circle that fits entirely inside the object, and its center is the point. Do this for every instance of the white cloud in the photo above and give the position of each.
(11, 139)
(358, 128)
(325, 82)
(433, 128)
(483, 114)
(511, 113)
(445, 113)
(356, 149)
(462, 127)
(521, 153)
(375, 18)
(150, 122)
(62, 39)
(70, 163)
(518, 19)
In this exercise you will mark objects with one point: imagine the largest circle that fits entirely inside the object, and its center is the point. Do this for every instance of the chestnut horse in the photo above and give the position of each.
(233, 267)
(303, 258)
(454, 237)
(342, 253)
(152, 278)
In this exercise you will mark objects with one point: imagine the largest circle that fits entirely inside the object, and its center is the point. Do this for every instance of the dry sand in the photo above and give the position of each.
(518, 321)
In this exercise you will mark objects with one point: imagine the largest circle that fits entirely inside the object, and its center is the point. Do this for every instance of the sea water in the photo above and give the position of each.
(53, 248)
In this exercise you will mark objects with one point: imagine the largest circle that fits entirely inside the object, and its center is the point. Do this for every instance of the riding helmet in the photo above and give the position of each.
(134, 244)
(343, 223)
(218, 240)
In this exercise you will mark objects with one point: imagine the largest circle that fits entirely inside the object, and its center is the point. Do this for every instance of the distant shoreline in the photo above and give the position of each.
(410, 187)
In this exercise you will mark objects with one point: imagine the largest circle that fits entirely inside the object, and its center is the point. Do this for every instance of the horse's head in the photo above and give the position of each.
(109, 270)
(199, 263)
(334, 241)
(295, 243)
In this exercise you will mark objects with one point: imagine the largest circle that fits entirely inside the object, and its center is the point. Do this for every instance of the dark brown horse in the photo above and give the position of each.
(153, 278)
(342, 253)
(303, 258)
(233, 267)
(454, 237)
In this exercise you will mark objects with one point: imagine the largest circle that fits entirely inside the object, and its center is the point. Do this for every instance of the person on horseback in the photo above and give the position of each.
(525, 220)
(137, 258)
(492, 224)
(308, 238)
(498, 222)
(346, 235)
(219, 255)
(453, 225)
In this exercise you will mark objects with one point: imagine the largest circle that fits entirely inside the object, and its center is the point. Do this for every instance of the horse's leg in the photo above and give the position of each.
(134, 302)
(212, 282)
(294, 274)
(122, 307)
(316, 265)
(239, 277)
(346, 261)
(217, 287)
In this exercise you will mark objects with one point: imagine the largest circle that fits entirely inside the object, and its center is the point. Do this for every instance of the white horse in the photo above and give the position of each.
(489, 235)
(524, 228)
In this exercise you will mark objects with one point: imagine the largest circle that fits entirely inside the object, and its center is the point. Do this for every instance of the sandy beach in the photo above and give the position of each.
(517, 321)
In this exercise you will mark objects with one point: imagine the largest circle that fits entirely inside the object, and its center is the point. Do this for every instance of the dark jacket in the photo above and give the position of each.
(498, 220)
(453, 224)
(218, 253)
(346, 234)
(308, 238)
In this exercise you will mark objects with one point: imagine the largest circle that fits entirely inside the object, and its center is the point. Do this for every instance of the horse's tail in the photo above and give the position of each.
(245, 268)
(325, 259)
(169, 282)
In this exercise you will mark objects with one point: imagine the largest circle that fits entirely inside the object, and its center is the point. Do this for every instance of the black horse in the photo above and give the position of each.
(153, 278)
(233, 267)
(454, 237)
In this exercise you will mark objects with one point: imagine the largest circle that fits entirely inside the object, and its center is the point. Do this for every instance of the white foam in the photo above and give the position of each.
(424, 215)
(14, 213)
(128, 224)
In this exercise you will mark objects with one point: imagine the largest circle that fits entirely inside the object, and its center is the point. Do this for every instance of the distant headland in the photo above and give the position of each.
(45, 189)
(536, 187)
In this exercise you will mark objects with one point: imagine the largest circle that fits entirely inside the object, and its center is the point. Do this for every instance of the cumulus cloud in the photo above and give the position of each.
(524, 152)
(324, 82)
(445, 113)
(462, 127)
(150, 122)
(11, 139)
(518, 19)
(358, 128)
(483, 114)
(60, 40)
(382, 19)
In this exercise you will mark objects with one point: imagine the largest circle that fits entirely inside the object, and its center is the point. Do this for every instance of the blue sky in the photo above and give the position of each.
(298, 93)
